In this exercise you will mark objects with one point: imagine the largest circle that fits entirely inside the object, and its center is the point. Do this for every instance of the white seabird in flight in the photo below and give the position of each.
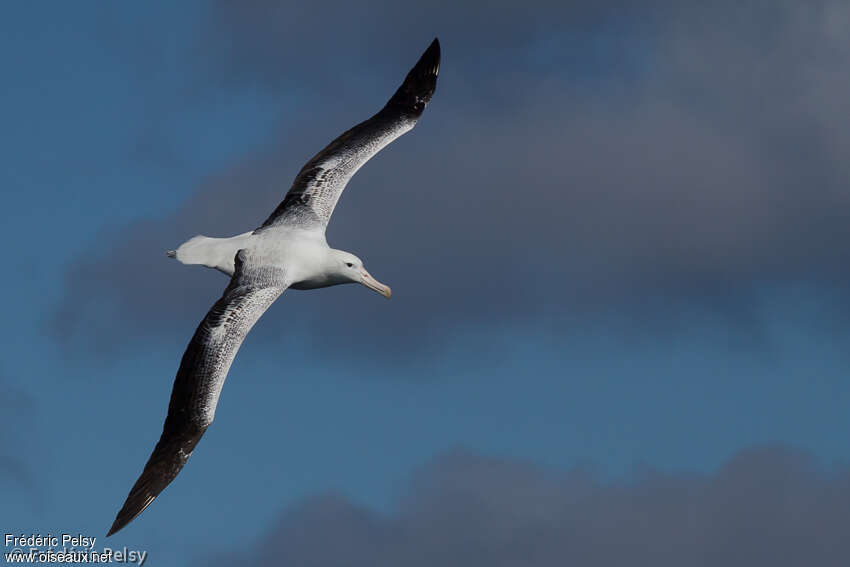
(288, 250)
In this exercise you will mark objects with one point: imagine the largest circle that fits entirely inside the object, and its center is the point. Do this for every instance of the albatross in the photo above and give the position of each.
(288, 250)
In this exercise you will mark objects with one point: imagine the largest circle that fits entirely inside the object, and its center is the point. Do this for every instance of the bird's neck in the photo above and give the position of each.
(318, 269)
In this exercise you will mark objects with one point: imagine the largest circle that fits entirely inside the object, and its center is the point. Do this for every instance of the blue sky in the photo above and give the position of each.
(616, 239)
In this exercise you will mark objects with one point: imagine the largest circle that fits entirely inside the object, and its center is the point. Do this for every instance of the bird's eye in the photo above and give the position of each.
(349, 264)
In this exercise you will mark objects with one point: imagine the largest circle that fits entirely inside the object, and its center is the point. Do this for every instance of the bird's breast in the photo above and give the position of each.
(305, 261)
(313, 283)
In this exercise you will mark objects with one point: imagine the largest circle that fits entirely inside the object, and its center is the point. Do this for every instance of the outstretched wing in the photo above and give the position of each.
(317, 187)
(200, 378)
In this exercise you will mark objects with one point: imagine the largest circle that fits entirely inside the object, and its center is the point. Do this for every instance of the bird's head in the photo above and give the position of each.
(350, 268)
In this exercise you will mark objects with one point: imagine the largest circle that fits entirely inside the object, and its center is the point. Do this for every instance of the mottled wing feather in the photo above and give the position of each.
(200, 379)
(317, 187)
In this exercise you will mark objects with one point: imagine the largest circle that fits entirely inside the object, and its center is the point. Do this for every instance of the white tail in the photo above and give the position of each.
(215, 253)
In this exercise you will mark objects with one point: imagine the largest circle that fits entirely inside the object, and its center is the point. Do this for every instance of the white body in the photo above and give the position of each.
(309, 261)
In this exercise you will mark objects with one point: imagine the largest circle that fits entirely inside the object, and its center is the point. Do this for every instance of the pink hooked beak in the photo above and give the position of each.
(373, 284)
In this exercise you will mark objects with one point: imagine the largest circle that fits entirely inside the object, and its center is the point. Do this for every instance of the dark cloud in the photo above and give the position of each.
(275, 44)
(572, 158)
(16, 436)
(764, 507)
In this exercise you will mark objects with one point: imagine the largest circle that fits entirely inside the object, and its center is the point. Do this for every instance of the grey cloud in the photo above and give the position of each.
(16, 411)
(593, 157)
(263, 42)
(767, 506)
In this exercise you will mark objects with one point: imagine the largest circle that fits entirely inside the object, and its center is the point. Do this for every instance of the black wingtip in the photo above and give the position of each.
(135, 504)
(433, 52)
(421, 82)
(115, 527)
(176, 444)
